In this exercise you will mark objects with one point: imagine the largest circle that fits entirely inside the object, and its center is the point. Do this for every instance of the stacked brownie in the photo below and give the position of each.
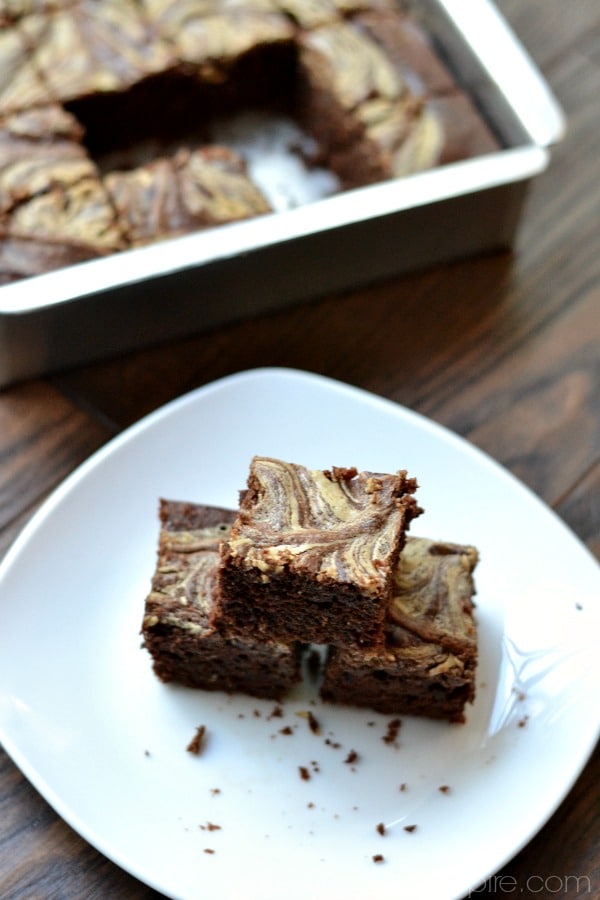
(178, 630)
(315, 557)
(106, 112)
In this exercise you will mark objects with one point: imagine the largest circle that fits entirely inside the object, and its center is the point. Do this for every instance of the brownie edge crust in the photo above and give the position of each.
(184, 646)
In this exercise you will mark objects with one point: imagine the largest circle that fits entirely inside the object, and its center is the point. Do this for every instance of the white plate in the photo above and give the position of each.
(105, 743)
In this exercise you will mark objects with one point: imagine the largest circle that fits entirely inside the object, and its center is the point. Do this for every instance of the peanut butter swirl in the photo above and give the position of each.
(190, 190)
(38, 149)
(91, 47)
(336, 526)
(20, 84)
(183, 585)
(433, 586)
(357, 69)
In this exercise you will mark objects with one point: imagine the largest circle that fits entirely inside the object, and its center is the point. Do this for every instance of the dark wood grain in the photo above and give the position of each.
(503, 349)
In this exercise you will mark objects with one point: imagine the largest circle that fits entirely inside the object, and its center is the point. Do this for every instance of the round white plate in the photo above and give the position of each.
(105, 743)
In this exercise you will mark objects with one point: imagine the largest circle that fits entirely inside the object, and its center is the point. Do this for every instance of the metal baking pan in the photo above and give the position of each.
(192, 283)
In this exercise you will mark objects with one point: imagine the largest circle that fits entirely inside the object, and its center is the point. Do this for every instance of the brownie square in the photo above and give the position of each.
(35, 146)
(427, 666)
(65, 204)
(50, 192)
(184, 646)
(179, 194)
(409, 49)
(20, 84)
(213, 35)
(311, 554)
(441, 130)
(347, 84)
(91, 48)
(381, 104)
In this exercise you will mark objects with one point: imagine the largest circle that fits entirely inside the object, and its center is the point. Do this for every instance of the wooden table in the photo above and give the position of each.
(504, 350)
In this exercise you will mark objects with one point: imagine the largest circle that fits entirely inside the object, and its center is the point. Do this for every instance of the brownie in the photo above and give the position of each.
(121, 97)
(311, 553)
(35, 145)
(175, 195)
(185, 647)
(346, 80)
(409, 49)
(214, 35)
(51, 192)
(239, 56)
(427, 666)
(93, 47)
(377, 112)
(20, 84)
(66, 203)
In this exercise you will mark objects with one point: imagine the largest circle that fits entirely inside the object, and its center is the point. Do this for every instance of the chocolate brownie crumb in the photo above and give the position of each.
(378, 858)
(392, 731)
(276, 713)
(287, 729)
(444, 788)
(196, 744)
(313, 723)
(304, 773)
(403, 786)
(352, 757)
(210, 826)
(208, 850)
(381, 829)
(410, 828)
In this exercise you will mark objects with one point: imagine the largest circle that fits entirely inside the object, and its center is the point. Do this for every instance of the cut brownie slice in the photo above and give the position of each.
(20, 84)
(311, 554)
(375, 112)
(35, 146)
(93, 48)
(51, 193)
(72, 209)
(183, 645)
(346, 79)
(213, 36)
(427, 666)
(410, 50)
(192, 190)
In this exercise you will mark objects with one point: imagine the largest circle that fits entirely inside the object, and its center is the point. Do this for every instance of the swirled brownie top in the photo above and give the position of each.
(432, 595)
(335, 525)
(183, 584)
